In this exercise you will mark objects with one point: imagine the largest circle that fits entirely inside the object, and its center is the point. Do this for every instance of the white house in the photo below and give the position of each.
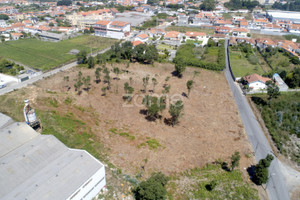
(240, 32)
(256, 82)
(115, 29)
(195, 35)
(3, 24)
(142, 37)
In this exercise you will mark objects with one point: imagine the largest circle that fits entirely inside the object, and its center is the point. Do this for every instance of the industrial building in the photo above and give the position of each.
(35, 166)
(274, 15)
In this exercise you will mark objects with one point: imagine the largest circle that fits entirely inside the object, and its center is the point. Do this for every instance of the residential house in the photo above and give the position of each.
(227, 23)
(174, 2)
(115, 29)
(272, 27)
(201, 19)
(223, 30)
(3, 24)
(264, 43)
(137, 42)
(294, 28)
(16, 36)
(240, 32)
(142, 37)
(195, 35)
(183, 19)
(243, 24)
(260, 22)
(156, 32)
(173, 35)
(256, 82)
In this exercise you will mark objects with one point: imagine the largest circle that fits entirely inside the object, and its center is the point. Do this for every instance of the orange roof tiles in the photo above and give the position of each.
(118, 23)
(172, 34)
(255, 77)
(135, 43)
(195, 34)
(103, 22)
(142, 36)
(240, 30)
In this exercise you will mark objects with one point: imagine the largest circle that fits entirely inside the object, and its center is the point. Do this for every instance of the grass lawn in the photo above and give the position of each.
(241, 66)
(184, 29)
(46, 55)
(211, 54)
(229, 185)
(281, 62)
(165, 46)
(193, 42)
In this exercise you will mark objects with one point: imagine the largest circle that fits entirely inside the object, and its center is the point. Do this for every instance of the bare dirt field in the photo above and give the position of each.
(209, 129)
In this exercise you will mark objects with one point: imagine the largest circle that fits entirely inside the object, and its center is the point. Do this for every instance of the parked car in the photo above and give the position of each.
(2, 85)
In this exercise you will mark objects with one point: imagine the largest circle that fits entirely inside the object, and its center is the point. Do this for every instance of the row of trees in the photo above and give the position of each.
(241, 4)
(8, 67)
(142, 53)
(290, 5)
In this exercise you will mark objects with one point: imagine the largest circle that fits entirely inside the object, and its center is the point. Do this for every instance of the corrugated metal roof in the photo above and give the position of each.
(34, 166)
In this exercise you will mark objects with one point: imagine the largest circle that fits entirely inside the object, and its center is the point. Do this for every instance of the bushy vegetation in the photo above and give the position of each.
(241, 4)
(186, 55)
(10, 68)
(211, 182)
(142, 53)
(290, 37)
(290, 5)
(261, 170)
(153, 188)
(208, 5)
(282, 118)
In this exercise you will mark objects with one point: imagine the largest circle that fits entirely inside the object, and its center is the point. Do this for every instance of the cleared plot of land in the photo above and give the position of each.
(241, 66)
(184, 29)
(46, 55)
(121, 136)
(279, 61)
(165, 46)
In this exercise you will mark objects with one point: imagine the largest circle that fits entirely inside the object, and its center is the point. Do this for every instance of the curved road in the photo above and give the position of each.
(276, 186)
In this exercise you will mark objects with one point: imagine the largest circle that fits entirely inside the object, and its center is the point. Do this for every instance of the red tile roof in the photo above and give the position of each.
(255, 77)
(135, 43)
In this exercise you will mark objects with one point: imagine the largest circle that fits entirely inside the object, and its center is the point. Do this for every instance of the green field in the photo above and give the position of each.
(211, 54)
(184, 29)
(165, 46)
(241, 66)
(281, 62)
(46, 55)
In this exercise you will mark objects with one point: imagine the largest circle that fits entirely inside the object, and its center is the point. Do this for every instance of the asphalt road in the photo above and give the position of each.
(12, 87)
(276, 186)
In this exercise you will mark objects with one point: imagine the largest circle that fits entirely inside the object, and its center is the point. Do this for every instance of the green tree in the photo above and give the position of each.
(107, 77)
(154, 82)
(128, 92)
(145, 82)
(208, 5)
(272, 91)
(261, 170)
(153, 188)
(82, 57)
(92, 30)
(154, 106)
(91, 62)
(189, 85)
(103, 89)
(117, 72)
(180, 68)
(86, 82)
(235, 159)
(175, 111)
(98, 74)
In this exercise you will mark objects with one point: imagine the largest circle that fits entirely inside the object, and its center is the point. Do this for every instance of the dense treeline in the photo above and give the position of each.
(185, 56)
(64, 3)
(208, 5)
(4, 16)
(241, 4)
(289, 6)
(142, 53)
